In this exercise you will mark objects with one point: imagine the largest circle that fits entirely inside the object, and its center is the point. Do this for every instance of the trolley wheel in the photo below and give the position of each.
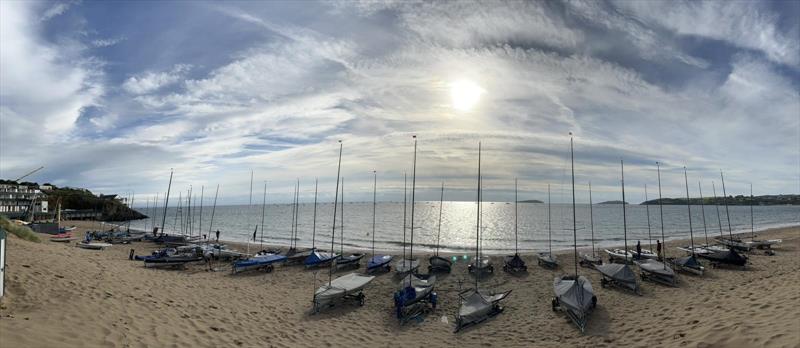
(430, 269)
(554, 304)
(361, 299)
(270, 268)
(491, 269)
(603, 282)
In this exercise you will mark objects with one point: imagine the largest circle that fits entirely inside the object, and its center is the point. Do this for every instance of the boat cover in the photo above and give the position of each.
(620, 254)
(349, 258)
(319, 257)
(688, 262)
(515, 261)
(620, 273)
(730, 257)
(591, 258)
(656, 267)
(341, 287)
(378, 261)
(406, 265)
(646, 254)
(575, 295)
(439, 262)
(475, 305)
(547, 258)
(258, 261)
(413, 288)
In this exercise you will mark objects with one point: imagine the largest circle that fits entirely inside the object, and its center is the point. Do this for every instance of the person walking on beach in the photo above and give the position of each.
(658, 249)
(217, 236)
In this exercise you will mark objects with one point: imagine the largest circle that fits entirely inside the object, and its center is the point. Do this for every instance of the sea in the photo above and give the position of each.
(535, 232)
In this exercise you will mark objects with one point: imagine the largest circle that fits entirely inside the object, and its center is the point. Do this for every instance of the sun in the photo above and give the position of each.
(465, 94)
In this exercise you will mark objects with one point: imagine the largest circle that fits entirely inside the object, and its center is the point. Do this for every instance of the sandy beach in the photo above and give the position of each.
(61, 296)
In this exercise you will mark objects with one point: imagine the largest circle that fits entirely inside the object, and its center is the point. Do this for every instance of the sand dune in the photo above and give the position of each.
(62, 296)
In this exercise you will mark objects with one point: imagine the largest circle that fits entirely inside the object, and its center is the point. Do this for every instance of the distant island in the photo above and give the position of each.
(613, 202)
(733, 200)
(530, 201)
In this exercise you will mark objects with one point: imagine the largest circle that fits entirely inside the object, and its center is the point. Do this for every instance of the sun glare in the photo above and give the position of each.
(465, 94)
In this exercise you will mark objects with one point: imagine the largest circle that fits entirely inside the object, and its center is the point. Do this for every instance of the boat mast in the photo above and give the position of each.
(297, 214)
(439, 233)
(314, 224)
(263, 210)
(177, 212)
(725, 199)
(591, 217)
(146, 209)
(689, 208)
(703, 210)
(413, 190)
(335, 205)
(716, 204)
(549, 227)
(374, 205)
(647, 208)
(294, 214)
(752, 219)
(624, 214)
(661, 212)
(405, 204)
(213, 210)
(574, 220)
(516, 211)
(478, 217)
(341, 233)
(200, 222)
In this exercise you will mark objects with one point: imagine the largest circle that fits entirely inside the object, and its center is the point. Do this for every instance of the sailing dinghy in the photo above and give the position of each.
(348, 287)
(573, 293)
(548, 260)
(351, 260)
(376, 262)
(590, 260)
(345, 288)
(651, 268)
(514, 263)
(436, 262)
(478, 304)
(615, 274)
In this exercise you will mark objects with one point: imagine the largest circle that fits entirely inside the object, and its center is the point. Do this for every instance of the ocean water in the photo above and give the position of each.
(458, 226)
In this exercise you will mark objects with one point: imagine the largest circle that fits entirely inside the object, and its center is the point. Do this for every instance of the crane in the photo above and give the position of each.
(29, 173)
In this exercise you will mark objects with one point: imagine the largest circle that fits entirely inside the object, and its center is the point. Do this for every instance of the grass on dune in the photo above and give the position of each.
(23, 232)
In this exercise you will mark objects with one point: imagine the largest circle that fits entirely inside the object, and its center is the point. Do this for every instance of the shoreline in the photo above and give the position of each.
(53, 288)
(700, 239)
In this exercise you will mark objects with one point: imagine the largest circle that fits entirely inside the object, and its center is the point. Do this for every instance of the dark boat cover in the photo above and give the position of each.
(730, 257)
(620, 273)
(319, 257)
(438, 262)
(515, 262)
(349, 259)
(378, 261)
(688, 262)
(413, 288)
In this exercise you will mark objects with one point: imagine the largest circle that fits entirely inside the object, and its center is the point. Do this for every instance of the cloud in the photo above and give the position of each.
(44, 88)
(373, 74)
(149, 82)
(747, 24)
(56, 10)
(107, 42)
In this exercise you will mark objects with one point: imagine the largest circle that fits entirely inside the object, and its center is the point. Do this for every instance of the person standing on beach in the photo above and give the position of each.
(658, 249)
(638, 250)
(217, 236)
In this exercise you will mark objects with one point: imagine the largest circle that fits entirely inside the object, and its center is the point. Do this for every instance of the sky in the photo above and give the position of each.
(110, 96)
